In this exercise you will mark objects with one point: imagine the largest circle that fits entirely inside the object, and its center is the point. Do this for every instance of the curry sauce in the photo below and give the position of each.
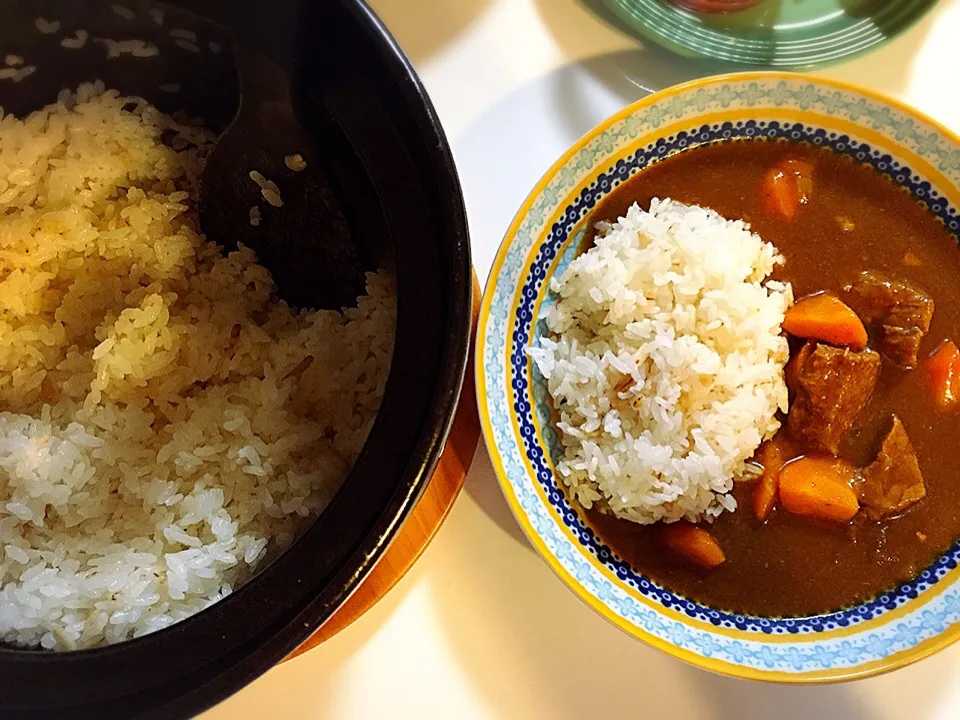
(856, 220)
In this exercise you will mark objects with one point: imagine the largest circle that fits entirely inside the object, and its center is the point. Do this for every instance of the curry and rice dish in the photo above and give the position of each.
(756, 381)
(166, 422)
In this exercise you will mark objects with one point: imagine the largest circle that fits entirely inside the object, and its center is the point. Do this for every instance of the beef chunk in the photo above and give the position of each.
(893, 482)
(829, 387)
(900, 314)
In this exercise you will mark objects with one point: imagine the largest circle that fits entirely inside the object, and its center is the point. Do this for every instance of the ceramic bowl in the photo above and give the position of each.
(896, 628)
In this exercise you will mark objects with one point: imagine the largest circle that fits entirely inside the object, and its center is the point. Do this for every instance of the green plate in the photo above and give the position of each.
(793, 34)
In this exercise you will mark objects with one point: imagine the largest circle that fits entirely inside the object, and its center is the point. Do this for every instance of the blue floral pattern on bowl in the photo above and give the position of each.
(892, 629)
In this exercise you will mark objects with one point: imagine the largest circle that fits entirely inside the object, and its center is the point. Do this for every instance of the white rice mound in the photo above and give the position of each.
(665, 362)
(165, 421)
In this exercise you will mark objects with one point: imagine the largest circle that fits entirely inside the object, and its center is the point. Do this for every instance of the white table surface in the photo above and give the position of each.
(481, 627)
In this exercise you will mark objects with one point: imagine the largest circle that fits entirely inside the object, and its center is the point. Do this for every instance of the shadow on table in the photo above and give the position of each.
(750, 700)
(576, 24)
(526, 645)
(484, 489)
(627, 75)
(302, 686)
(422, 27)
(912, 692)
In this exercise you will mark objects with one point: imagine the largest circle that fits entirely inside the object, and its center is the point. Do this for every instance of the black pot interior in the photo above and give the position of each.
(384, 175)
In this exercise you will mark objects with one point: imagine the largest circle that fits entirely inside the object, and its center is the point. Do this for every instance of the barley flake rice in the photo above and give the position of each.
(664, 360)
(166, 422)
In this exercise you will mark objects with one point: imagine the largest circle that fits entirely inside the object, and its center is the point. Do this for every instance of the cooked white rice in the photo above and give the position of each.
(17, 74)
(24, 72)
(665, 362)
(268, 188)
(187, 45)
(136, 48)
(124, 12)
(295, 162)
(47, 27)
(166, 422)
(75, 43)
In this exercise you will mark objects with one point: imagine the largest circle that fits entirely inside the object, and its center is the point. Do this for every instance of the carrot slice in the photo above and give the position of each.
(772, 455)
(820, 488)
(825, 317)
(780, 194)
(943, 373)
(693, 543)
(787, 186)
